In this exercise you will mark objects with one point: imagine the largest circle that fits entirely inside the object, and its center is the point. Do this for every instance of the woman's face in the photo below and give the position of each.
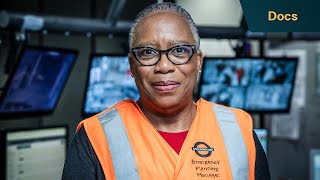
(165, 85)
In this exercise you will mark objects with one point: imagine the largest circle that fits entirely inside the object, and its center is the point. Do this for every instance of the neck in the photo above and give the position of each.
(175, 119)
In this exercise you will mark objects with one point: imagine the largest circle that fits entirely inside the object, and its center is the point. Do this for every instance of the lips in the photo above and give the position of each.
(165, 85)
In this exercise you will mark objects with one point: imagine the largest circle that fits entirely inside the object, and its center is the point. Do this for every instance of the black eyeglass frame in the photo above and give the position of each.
(134, 50)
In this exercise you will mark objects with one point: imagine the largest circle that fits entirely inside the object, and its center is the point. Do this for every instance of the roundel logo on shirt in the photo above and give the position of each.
(202, 149)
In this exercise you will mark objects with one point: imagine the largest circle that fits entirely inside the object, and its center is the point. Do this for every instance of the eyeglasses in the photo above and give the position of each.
(178, 55)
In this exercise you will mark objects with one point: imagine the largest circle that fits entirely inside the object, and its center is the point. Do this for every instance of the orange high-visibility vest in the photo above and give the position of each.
(219, 144)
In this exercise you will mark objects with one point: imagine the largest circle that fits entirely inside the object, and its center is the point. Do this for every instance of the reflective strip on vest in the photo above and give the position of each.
(234, 142)
(121, 152)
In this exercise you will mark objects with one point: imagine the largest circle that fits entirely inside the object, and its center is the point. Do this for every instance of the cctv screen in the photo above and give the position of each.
(109, 82)
(315, 164)
(253, 84)
(262, 135)
(38, 80)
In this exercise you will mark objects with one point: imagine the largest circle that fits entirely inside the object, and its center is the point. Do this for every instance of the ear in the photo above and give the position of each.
(131, 63)
(200, 57)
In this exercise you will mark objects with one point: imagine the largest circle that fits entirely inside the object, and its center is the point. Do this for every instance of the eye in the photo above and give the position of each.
(181, 50)
(147, 52)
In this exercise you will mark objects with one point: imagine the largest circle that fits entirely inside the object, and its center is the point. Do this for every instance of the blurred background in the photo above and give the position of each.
(62, 61)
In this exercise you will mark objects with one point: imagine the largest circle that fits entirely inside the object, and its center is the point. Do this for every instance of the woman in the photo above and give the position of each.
(165, 135)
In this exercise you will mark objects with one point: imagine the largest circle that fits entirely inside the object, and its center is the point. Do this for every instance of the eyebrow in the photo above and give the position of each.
(147, 44)
(156, 44)
(178, 42)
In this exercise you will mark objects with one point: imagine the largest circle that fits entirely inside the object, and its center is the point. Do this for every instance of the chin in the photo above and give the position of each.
(167, 102)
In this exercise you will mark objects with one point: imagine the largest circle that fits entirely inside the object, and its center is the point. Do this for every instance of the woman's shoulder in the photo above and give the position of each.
(237, 111)
(92, 121)
(121, 104)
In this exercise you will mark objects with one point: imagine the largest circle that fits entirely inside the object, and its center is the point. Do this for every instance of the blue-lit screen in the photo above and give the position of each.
(253, 84)
(262, 135)
(38, 80)
(109, 82)
(314, 164)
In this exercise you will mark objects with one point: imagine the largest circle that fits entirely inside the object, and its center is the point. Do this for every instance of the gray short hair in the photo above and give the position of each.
(165, 6)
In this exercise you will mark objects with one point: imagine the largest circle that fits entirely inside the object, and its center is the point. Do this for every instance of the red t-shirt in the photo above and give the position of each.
(175, 140)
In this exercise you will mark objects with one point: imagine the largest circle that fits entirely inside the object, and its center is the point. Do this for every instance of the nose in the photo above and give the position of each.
(164, 65)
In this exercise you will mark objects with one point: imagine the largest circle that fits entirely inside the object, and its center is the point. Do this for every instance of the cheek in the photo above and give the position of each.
(142, 77)
(190, 77)
(190, 72)
(192, 80)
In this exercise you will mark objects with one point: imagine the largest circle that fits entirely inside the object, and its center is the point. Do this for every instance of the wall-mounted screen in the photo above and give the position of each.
(37, 81)
(109, 82)
(252, 84)
(314, 164)
(34, 153)
(262, 135)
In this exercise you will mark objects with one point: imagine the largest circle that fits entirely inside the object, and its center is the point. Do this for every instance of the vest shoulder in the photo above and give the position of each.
(124, 103)
(94, 119)
(237, 111)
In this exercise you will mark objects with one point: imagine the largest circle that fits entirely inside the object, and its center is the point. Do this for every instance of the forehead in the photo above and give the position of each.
(163, 27)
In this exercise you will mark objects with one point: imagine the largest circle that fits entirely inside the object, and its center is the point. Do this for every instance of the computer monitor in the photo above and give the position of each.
(37, 81)
(108, 83)
(262, 135)
(253, 84)
(314, 164)
(34, 153)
